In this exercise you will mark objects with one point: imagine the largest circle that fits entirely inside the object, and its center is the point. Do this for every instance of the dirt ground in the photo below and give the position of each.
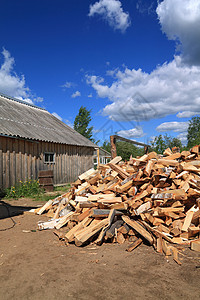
(36, 265)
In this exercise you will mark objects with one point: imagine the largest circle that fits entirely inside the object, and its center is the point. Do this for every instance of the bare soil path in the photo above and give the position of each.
(36, 265)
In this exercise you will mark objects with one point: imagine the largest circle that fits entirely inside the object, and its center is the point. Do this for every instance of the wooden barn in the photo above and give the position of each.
(32, 139)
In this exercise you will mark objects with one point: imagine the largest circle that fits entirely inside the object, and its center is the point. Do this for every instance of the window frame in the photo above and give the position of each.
(49, 153)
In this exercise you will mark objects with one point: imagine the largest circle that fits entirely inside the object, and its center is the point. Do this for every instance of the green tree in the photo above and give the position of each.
(160, 143)
(82, 121)
(193, 133)
(106, 146)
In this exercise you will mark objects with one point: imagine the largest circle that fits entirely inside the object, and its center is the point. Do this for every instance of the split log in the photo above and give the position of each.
(139, 228)
(134, 245)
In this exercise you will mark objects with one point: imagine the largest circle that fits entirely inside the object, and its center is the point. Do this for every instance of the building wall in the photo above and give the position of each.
(22, 160)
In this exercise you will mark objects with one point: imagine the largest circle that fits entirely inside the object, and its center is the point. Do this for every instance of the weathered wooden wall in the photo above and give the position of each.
(22, 160)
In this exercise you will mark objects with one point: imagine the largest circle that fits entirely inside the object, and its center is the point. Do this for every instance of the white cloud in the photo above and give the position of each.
(132, 133)
(171, 88)
(67, 85)
(68, 122)
(76, 94)
(136, 95)
(180, 20)
(173, 126)
(183, 138)
(13, 85)
(10, 83)
(57, 116)
(145, 7)
(112, 12)
(90, 96)
(186, 114)
(96, 130)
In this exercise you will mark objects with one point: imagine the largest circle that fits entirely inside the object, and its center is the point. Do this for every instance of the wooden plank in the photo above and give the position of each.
(159, 244)
(139, 228)
(1, 163)
(166, 249)
(47, 205)
(7, 163)
(195, 245)
(112, 200)
(113, 146)
(166, 162)
(120, 171)
(111, 231)
(103, 213)
(94, 179)
(124, 187)
(134, 245)
(89, 232)
(63, 220)
(175, 255)
(12, 162)
(4, 161)
(106, 228)
(173, 156)
(149, 167)
(187, 221)
(129, 141)
(84, 214)
(120, 238)
(116, 160)
(87, 174)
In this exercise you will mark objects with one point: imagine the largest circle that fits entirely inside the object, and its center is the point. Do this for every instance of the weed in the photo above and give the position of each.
(24, 189)
(64, 188)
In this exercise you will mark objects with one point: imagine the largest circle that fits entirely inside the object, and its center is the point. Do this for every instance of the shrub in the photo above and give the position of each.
(24, 189)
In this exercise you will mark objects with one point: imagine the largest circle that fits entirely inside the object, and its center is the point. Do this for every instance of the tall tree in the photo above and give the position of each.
(82, 121)
(193, 134)
(160, 143)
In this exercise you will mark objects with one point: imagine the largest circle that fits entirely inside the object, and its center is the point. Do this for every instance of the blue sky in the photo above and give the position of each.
(134, 63)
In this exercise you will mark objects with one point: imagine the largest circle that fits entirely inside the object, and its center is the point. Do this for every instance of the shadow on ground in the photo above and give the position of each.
(7, 210)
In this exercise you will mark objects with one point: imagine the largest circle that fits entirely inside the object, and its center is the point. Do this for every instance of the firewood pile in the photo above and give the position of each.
(153, 199)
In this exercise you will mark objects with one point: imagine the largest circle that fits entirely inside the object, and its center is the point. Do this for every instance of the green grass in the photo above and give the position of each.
(31, 189)
(64, 188)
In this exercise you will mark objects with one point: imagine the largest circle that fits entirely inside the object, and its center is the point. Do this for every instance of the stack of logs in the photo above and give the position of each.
(153, 199)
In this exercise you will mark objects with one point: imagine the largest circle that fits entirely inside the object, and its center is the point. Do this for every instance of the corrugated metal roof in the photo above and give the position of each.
(21, 119)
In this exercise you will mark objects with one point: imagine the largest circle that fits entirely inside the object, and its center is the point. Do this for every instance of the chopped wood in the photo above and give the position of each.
(102, 213)
(134, 245)
(124, 187)
(149, 167)
(45, 207)
(63, 220)
(153, 197)
(87, 174)
(137, 227)
(167, 152)
(103, 232)
(195, 245)
(119, 170)
(187, 221)
(81, 238)
(116, 160)
(111, 232)
(120, 238)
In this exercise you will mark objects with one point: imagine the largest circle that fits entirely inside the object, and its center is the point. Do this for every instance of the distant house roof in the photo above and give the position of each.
(21, 119)
(103, 152)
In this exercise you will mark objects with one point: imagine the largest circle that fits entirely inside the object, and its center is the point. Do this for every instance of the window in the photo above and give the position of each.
(49, 157)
